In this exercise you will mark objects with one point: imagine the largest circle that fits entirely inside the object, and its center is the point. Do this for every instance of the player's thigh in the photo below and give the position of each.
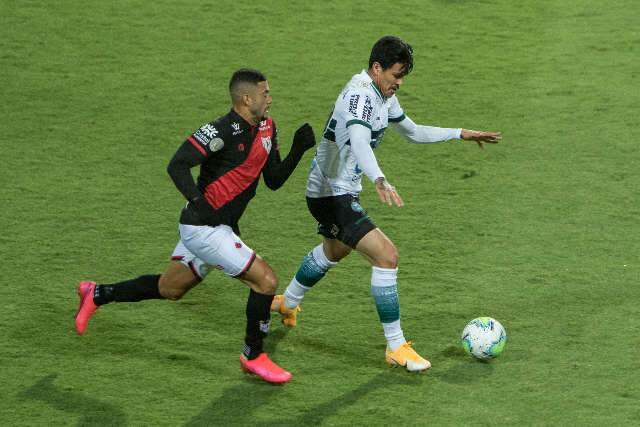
(218, 247)
(341, 218)
(376, 247)
(334, 249)
(260, 277)
(177, 280)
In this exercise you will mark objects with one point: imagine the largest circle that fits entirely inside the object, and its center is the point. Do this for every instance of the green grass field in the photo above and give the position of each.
(540, 231)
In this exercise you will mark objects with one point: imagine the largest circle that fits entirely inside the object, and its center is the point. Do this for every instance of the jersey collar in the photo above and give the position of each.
(237, 118)
(373, 85)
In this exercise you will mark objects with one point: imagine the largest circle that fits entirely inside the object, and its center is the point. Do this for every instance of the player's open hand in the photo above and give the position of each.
(304, 138)
(481, 137)
(387, 193)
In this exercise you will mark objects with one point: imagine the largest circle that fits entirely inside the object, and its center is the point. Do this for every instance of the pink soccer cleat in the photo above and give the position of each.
(87, 306)
(264, 368)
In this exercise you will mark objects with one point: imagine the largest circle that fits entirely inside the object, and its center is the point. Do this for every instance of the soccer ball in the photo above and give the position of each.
(484, 338)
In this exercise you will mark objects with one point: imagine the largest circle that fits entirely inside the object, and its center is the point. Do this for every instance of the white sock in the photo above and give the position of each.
(385, 294)
(313, 268)
(294, 294)
(394, 335)
(321, 258)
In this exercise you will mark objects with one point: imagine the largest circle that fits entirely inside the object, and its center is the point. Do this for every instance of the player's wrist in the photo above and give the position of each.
(382, 184)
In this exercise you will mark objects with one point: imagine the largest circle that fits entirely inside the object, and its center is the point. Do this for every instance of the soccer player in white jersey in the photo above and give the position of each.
(363, 111)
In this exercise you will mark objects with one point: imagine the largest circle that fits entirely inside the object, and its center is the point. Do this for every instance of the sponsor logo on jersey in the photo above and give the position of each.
(205, 134)
(201, 138)
(353, 104)
(264, 126)
(216, 144)
(367, 110)
(236, 128)
(209, 130)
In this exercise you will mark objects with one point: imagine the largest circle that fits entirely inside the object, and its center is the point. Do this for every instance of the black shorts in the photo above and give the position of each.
(341, 217)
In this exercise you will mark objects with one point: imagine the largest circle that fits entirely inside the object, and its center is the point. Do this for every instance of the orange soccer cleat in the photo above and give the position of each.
(289, 315)
(406, 356)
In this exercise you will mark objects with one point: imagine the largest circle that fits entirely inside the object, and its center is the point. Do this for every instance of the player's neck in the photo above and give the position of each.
(375, 83)
(246, 115)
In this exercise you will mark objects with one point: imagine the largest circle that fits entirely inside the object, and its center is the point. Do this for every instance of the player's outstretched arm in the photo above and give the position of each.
(481, 137)
(420, 134)
(276, 172)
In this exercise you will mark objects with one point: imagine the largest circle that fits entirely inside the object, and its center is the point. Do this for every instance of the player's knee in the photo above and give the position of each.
(173, 295)
(388, 258)
(268, 283)
(171, 291)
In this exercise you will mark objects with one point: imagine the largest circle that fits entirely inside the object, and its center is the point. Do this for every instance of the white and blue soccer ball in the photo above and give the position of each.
(484, 338)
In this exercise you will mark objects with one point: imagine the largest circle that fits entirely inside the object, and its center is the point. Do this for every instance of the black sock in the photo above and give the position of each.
(141, 288)
(258, 316)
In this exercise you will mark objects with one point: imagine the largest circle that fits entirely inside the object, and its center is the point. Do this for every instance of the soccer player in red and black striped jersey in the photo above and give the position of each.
(232, 152)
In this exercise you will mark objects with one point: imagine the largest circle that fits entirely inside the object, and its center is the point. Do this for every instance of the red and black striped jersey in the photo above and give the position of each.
(232, 154)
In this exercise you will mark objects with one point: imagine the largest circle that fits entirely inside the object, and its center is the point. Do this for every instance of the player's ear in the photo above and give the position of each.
(246, 99)
(376, 68)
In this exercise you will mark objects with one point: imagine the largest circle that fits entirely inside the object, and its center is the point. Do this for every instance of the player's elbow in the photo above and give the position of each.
(172, 169)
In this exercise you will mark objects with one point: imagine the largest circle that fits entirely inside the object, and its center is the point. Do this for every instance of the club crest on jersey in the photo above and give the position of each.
(356, 207)
(266, 143)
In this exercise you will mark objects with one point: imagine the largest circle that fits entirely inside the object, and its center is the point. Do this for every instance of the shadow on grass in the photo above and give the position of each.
(92, 411)
(236, 405)
(255, 394)
(274, 338)
(468, 371)
(316, 415)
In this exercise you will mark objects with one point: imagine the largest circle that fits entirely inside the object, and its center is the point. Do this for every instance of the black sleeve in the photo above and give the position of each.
(180, 166)
(277, 171)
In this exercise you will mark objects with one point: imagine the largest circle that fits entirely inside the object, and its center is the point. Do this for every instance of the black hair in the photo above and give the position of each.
(390, 50)
(245, 75)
